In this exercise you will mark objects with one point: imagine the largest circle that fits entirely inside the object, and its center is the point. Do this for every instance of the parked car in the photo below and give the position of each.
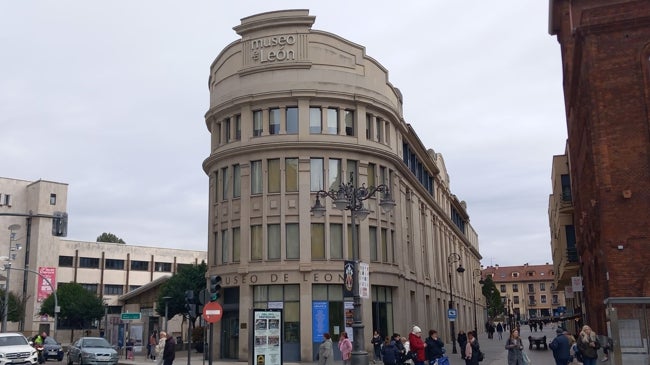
(52, 349)
(15, 349)
(92, 351)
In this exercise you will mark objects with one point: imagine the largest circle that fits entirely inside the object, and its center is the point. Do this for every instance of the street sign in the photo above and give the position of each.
(212, 312)
(130, 316)
(452, 314)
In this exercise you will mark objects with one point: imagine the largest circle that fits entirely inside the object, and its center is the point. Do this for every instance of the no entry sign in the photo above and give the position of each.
(212, 312)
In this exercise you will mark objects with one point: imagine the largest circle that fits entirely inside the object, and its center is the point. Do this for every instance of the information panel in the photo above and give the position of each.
(267, 337)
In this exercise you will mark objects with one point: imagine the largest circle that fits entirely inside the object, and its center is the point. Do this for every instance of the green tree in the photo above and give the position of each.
(109, 237)
(16, 311)
(492, 297)
(187, 278)
(79, 307)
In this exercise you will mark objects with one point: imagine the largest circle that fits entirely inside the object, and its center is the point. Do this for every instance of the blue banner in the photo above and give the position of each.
(320, 320)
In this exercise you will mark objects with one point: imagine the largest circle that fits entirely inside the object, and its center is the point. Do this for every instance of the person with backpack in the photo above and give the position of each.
(561, 347)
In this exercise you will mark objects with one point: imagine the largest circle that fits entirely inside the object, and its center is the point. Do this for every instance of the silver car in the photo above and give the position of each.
(92, 351)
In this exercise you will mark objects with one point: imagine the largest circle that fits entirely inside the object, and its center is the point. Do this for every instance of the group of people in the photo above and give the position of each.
(397, 349)
(490, 328)
(161, 348)
(584, 348)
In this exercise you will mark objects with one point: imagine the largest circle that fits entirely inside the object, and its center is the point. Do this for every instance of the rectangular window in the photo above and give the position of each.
(317, 241)
(225, 182)
(66, 261)
(274, 175)
(256, 177)
(236, 181)
(349, 122)
(293, 240)
(236, 245)
(502, 288)
(274, 246)
(256, 242)
(217, 133)
(315, 121)
(225, 256)
(515, 288)
(316, 174)
(52, 199)
(336, 241)
(387, 132)
(542, 286)
(380, 130)
(531, 288)
(238, 127)
(369, 125)
(384, 245)
(90, 287)
(515, 299)
(257, 123)
(162, 266)
(292, 120)
(291, 174)
(334, 174)
(382, 175)
(113, 289)
(351, 171)
(274, 121)
(372, 241)
(542, 299)
(89, 262)
(226, 127)
(134, 287)
(114, 264)
(372, 170)
(139, 265)
(332, 121)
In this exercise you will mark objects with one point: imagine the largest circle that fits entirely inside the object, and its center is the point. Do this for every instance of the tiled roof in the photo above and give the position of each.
(522, 273)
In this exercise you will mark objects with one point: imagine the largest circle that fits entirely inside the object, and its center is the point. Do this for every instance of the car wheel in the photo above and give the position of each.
(69, 360)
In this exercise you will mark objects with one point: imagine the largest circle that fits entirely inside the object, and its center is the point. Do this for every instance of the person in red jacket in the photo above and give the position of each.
(417, 345)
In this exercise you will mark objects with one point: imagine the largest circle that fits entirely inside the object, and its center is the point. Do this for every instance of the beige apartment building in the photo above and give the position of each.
(294, 112)
(528, 291)
(118, 273)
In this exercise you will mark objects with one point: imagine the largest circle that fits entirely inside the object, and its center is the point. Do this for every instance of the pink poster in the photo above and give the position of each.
(44, 289)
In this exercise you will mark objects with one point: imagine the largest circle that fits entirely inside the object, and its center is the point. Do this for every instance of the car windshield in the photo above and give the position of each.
(95, 342)
(13, 341)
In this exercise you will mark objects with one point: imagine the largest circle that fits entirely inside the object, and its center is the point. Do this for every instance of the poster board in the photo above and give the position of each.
(267, 336)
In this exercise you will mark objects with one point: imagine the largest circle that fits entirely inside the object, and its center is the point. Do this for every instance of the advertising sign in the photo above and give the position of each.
(348, 279)
(44, 289)
(267, 337)
(576, 283)
(320, 318)
(349, 319)
(364, 280)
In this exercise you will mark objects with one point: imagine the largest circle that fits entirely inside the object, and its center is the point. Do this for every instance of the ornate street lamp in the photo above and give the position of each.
(453, 257)
(475, 273)
(351, 197)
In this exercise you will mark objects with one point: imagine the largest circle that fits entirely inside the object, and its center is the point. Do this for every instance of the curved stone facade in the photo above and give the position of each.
(293, 111)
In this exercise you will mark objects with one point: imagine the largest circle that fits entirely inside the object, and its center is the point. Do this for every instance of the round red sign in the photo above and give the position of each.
(212, 312)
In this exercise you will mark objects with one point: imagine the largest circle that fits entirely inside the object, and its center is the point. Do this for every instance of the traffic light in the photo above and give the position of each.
(215, 287)
(190, 303)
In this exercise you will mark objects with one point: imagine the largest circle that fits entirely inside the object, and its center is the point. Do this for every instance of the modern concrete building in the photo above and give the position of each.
(528, 291)
(606, 63)
(115, 272)
(296, 111)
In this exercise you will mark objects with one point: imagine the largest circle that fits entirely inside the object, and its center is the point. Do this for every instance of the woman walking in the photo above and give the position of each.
(515, 346)
(472, 349)
(588, 346)
(345, 346)
(325, 351)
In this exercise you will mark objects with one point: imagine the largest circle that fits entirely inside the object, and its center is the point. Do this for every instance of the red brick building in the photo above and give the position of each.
(605, 48)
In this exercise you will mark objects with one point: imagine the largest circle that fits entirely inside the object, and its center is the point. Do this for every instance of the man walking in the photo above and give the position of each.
(561, 347)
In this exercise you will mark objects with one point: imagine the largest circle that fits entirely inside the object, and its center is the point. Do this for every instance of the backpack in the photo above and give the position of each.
(576, 352)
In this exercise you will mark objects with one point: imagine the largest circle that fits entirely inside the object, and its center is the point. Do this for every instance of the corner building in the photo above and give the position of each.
(293, 111)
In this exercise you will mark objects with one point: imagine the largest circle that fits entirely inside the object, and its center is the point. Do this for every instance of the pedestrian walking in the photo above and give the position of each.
(151, 346)
(345, 346)
(434, 348)
(417, 345)
(500, 331)
(588, 345)
(389, 352)
(472, 349)
(160, 347)
(561, 347)
(169, 351)
(325, 354)
(515, 347)
(462, 342)
(376, 342)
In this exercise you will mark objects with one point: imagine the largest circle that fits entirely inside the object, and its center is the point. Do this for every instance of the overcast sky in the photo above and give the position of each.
(109, 97)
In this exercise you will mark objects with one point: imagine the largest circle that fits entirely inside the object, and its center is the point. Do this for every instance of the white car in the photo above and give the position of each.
(15, 349)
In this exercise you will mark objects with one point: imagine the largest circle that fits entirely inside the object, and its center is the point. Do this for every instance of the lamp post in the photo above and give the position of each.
(452, 258)
(351, 197)
(12, 256)
(475, 273)
(166, 310)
